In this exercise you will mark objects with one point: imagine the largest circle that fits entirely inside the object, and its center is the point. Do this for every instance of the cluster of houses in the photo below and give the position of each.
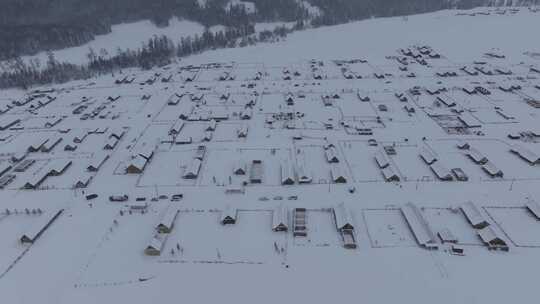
(480, 159)
(388, 171)
(193, 169)
(55, 167)
(489, 235)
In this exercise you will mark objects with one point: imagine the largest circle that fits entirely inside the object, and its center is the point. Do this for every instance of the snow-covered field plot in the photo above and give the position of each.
(220, 73)
(453, 220)
(221, 165)
(387, 228)
(172, 113)
(313, 160)
(150, 136)
(409, 165)
(353, 108)
(128, 237)
(168, 168)
(518, 224)
(202, 238)
(227, 131)
(321, 230)
(360, 157)
(249, 71)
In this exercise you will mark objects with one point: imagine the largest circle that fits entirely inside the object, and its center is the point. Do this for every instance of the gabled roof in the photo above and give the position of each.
(280, 218)
(427, 155)
(473, 215)
(418, 224)
(526, 154)
(342, 217)
(382, 159)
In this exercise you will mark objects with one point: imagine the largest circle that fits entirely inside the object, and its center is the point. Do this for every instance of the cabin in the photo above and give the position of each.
(469, 122)
(8, 122)
(57, 167)
(4, 167)
(49, 145)
(176, 127)
(390, 174)
(193, 169)
(18, 156)
(40, 225)
(476, 156)
(82, 182)
(280, 219)
(492, 170)
(382, 159)
(228, 216)
(441, 171)
(342, 217)
(331, 155)
(35, 181)
(337, 174)
(419, 226)
(211, 126)
(287, 173)
(110, 143)
(463, 145)
(183, 140)
(36, 145)
(473, 215)
(526, 154)
(256, 172)
(344, 225)
(427, 156)
(136, 165)
(24, 165)
(492, 239)
(303, 176)
(96, 162)
(70, 147)
(156, 244)
(200, 153)
(117, 133)
(207, 136)
(166, 224)
(146, 152)
(534, 208)
(242, 132)
(239, 167)
(446, 236)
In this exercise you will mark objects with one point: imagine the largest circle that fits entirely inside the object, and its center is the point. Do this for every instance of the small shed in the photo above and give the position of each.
(280, 219)
(228, 216)
(492, 239)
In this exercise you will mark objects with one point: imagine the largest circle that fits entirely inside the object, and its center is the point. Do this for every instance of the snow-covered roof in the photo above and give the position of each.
(473, 215)
(418, 224)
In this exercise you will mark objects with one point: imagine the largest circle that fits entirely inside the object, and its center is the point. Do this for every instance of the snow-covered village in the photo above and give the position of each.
(334, 165)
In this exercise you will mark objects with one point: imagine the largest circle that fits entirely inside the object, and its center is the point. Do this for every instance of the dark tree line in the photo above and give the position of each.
(30, 26)
(157, 51)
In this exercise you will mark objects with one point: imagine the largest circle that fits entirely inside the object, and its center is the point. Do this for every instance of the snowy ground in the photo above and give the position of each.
(94, 252)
